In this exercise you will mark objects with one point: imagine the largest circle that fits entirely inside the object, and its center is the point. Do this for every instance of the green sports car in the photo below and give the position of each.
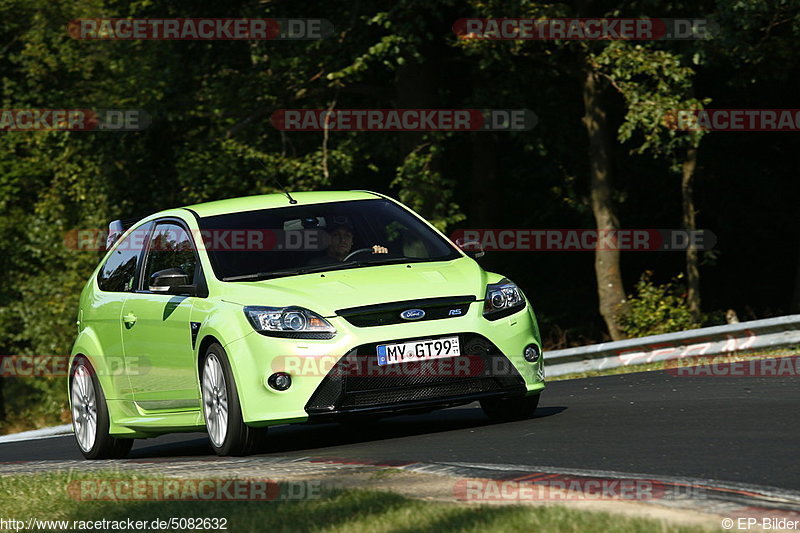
(232, 316)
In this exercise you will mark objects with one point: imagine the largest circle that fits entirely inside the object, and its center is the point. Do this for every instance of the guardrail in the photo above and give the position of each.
(777, 332)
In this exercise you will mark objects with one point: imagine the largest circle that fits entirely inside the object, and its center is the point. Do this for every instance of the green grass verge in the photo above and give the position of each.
(45, 496)
(661, 365)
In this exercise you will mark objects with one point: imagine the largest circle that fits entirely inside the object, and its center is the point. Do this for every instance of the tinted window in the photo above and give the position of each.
(118, 274)
(170, 247)
(333, 235)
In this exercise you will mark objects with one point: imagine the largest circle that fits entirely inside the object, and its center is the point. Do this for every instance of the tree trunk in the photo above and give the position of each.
(484, 177)
(795, 305)
(689, 224)
(610, 291)
(2, 404)
(416, 89)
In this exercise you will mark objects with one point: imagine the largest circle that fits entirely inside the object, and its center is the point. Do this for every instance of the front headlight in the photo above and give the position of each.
(502, 299)
(289, 322)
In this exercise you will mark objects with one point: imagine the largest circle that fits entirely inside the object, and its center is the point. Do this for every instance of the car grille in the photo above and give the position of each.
(389, 313)
(357, 383)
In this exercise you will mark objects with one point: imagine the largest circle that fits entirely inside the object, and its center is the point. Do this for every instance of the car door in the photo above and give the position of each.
(116, 280)
(157, 328)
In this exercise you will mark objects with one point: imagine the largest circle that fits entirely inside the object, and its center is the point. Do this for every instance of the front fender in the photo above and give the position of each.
(220, 320)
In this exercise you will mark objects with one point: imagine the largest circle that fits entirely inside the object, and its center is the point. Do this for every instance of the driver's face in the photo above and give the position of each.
(341, 242)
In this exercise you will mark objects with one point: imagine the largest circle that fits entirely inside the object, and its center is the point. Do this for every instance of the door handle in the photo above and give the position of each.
(129, 319)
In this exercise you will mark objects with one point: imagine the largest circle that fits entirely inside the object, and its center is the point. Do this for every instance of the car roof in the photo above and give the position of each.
(267, 201)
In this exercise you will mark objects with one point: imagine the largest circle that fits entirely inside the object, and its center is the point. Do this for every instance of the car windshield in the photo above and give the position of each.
(301, 239)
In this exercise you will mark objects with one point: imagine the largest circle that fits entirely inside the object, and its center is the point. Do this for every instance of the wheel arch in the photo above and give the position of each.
(87, 346)
(202, 346)
(72, 360)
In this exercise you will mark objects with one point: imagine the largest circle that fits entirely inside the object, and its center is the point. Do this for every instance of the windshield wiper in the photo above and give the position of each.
(290, 272)
(389, 260)
(320, 268)
(248, 277)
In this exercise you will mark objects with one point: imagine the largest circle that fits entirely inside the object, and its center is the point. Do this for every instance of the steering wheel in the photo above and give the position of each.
(356, 252)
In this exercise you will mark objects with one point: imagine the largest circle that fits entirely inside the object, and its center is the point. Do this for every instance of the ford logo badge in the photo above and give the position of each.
(412, 314)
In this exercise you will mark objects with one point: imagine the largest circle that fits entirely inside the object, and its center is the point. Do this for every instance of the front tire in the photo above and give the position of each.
(90, 418)
(508, 409)
(227, 432)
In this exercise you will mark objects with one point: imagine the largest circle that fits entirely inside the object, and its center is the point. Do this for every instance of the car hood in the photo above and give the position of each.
(326, 292)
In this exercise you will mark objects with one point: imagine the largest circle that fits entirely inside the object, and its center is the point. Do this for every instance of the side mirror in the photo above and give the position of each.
(115, 231)
(171, 281)
(473, 249)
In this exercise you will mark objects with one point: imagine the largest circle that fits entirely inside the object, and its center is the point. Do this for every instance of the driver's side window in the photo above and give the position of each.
(170, 246)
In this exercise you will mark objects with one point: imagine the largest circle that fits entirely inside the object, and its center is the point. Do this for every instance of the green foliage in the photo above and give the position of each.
(655, 86)
(656, 309)
(425, 190)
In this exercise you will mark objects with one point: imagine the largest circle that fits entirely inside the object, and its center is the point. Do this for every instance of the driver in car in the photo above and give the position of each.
(341, 246)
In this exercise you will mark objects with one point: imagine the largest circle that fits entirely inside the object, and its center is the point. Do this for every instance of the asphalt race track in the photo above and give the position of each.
(741, 429)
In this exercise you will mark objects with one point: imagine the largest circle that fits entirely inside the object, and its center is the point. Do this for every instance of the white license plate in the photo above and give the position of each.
(421, 350)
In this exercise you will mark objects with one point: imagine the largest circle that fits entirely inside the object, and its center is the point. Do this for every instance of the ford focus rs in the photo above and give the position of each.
(233, 316)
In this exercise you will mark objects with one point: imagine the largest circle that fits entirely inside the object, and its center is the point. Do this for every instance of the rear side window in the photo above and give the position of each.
(118, 274)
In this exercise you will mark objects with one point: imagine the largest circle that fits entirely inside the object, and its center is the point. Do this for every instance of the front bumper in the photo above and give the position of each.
(318, 393)
(358, 385)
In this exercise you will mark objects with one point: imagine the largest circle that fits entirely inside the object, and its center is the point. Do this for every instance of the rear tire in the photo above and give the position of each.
(507, 409)
(227, 432)
(90, 418)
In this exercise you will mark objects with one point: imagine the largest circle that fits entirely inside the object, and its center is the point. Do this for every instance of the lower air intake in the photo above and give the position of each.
(356, 382)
